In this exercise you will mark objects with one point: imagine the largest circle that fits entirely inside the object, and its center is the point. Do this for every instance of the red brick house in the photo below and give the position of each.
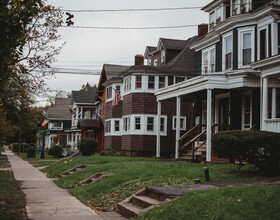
(132, 125)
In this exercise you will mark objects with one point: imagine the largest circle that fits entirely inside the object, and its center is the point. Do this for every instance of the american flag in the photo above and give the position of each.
(116, 100)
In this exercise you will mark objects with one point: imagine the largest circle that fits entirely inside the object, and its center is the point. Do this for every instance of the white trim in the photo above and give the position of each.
(208, 50)
(241, 32)
(184, 123)
(224, 38)
(245, 94)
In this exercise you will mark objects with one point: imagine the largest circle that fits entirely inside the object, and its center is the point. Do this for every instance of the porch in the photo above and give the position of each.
(222, 101)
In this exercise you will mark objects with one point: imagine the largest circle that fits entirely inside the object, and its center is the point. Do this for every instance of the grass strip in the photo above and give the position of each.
(231, 203)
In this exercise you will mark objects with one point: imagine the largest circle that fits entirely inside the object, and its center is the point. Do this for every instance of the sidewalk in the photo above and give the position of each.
(45, 200)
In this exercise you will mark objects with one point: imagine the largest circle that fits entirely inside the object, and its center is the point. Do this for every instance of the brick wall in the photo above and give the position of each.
(112, 142)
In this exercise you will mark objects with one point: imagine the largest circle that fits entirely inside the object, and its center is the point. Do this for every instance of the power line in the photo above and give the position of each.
(132, 28)
(130, 9)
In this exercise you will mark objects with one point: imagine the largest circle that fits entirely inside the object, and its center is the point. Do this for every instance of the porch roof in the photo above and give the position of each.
(222, 80)
(269, 66)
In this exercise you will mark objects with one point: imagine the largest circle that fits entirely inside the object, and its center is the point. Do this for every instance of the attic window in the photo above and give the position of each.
(211, 20)
(163, 56)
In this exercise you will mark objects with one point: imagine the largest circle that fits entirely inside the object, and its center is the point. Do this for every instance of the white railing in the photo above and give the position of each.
(272, 125)
(56, 128)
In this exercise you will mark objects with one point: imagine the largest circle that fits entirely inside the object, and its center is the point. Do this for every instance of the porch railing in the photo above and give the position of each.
(196, 137)
(272, 125)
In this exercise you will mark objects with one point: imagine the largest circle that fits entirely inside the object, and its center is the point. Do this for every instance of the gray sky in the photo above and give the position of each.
(89, 49)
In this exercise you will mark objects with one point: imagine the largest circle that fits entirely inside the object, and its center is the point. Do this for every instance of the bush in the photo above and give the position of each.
(260, 148)
(56, 151)
(31, 152)
(87, 146)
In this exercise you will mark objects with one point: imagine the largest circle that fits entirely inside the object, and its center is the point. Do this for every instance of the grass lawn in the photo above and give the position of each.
(250, 203)
(132, 174)
(38, 157)
(12, 202)
(4, 163)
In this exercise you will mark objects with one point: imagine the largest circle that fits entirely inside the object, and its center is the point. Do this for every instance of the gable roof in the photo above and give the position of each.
(85, 97)
(149, 50)
(171, 44)
(60, 110)
(182, 64)
(112, 70)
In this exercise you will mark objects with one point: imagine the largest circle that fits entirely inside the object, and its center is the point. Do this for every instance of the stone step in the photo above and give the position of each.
(94, 178)
(144, 201)
(128, 209)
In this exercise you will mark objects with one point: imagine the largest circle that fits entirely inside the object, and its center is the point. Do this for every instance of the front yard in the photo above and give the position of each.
(132, 174)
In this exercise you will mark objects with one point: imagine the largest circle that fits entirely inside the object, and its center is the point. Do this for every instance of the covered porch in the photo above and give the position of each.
(223, 101)
(270, 93)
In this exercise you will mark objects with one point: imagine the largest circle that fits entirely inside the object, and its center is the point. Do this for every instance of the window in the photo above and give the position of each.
(212, 60)
(127, 84)
(155, 62)
(205, 62)
(182, 123)
(138, 83)
(108, 92)
(163, 56)
(161, 82)
(151, 82)
(234, 7)
(218, 15)
(150, 124)
(137, 123)
(126, 124)
(245, 6)
(228, 53)
(117, 125)
(247, 49)
(263, 44)
(162, 122)
(118, 89)
(179, 79)
(149, 62)
(211, 20)
(107, 126)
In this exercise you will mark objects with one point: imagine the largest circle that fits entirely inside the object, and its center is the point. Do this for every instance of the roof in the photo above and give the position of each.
(171, 44)
(112, 70)
(182, 64)
(86, 96)
(60, 110)
(87, 123)
(149, 50)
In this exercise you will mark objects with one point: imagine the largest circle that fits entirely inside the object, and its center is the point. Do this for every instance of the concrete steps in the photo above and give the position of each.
(94, 178)
(143, 201)
(73, 170)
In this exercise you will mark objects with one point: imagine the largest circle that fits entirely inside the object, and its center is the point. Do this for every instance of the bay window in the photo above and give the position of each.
(247, 49)
(228, 53)
(151, 82)
(138, 83)
(137, 123)
(161, 82)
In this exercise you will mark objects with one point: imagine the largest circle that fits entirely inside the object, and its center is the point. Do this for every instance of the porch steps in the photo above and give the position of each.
(94, 178)
(143, 201)
(199, 154)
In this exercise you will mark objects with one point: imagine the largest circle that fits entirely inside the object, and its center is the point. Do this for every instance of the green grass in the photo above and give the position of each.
(231, 203)
(12, 203)
(4, 163)
(38, 157)
(132, 174)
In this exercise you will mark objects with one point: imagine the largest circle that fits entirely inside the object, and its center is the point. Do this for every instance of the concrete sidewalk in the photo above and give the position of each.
(44, 199)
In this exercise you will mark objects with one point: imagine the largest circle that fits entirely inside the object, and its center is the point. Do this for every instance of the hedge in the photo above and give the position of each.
(87, 146)
(257, 147)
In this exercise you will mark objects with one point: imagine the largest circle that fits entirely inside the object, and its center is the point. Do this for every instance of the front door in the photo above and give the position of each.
(246, 111)
(224, 113)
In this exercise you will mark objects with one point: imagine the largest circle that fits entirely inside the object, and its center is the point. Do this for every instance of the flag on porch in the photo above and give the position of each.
(44, 123)
(116, 100)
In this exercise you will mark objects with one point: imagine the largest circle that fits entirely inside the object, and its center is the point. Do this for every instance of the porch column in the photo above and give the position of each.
(265, 101)
(178, 120)
(273, 107)
(209, 125)
(158, 128)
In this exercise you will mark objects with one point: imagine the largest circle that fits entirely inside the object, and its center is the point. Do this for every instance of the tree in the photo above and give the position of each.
(28, 42)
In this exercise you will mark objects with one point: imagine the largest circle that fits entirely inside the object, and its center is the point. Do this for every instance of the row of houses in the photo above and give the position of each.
(226, 77)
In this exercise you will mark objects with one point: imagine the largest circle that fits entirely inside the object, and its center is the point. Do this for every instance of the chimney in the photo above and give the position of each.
(139, 60)
(202, 29)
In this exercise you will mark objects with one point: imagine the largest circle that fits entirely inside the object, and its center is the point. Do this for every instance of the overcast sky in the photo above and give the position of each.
(89, 49)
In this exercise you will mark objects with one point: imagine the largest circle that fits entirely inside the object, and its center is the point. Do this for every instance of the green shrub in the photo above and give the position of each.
(15, 147)
(87, 146)
(260, 148)
(56, 151)
(31, 152)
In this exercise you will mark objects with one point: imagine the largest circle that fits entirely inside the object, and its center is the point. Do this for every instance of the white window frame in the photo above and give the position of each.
(117, 120)
(126, 124)
(163, 58)
(138, 81)
(225, 37)
(159, 83)
(208, 64)
(179, 77)
(184, 123)
(108, 127)
(156, 62)
(153, 82)
(127, 84)
(153, 117)
(109, 91)
(137, 117)
(241, 32)
(249, 93)
(264, 27)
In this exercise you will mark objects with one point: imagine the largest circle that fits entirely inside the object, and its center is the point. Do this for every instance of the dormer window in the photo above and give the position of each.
(218, 15)
(234, 7)
(212, 20)
(245, 6)
(155, 62)
(163, 56)
(149, 61)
